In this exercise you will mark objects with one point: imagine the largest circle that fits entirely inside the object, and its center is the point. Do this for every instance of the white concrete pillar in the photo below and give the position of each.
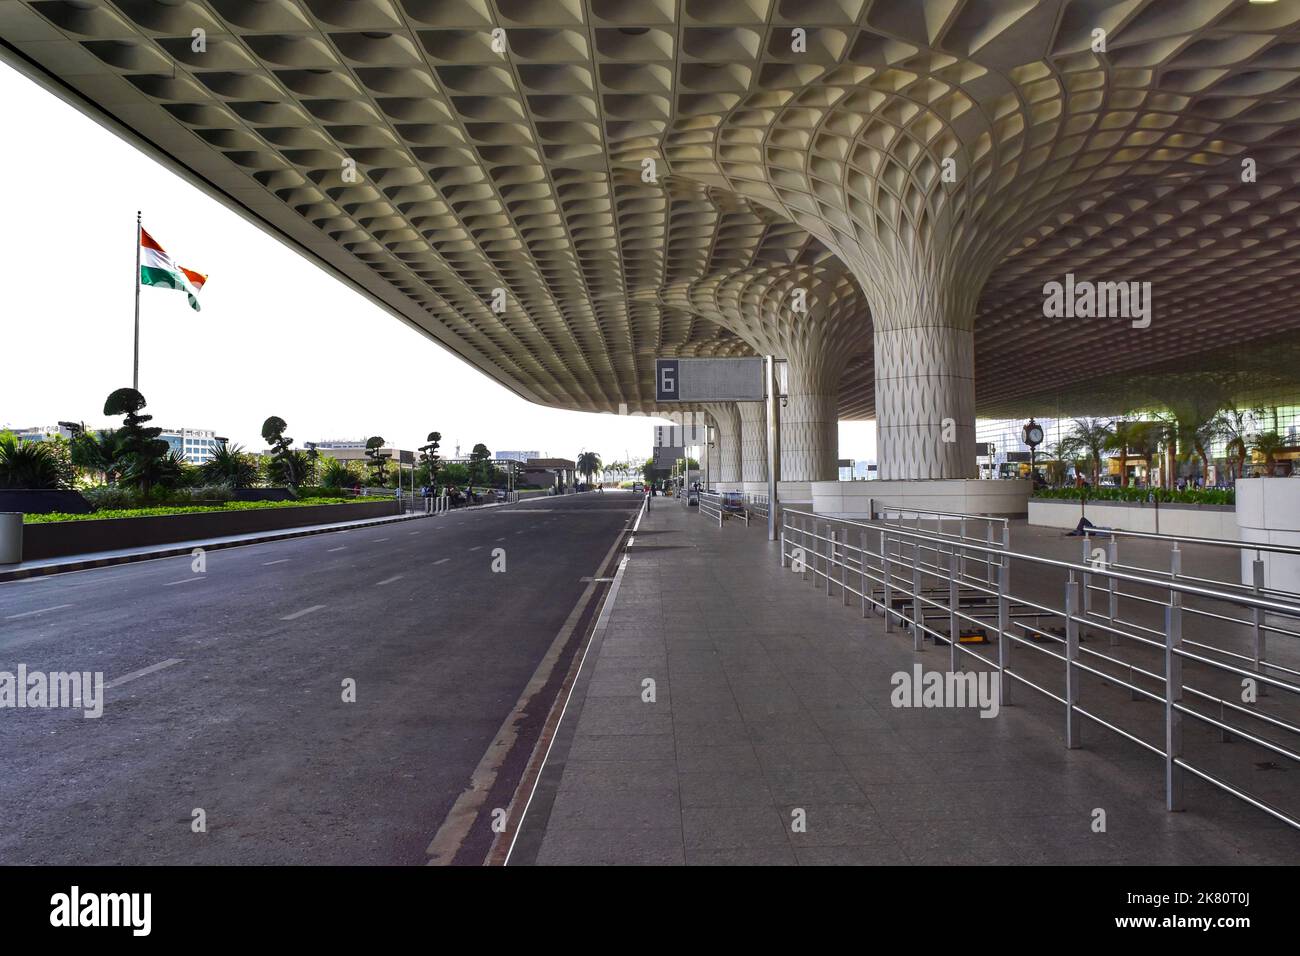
(726, 420)
(753, 441)
(810, 420)
(925, 382)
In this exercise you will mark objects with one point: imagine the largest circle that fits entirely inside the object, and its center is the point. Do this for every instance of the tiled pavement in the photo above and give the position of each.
(772, 703)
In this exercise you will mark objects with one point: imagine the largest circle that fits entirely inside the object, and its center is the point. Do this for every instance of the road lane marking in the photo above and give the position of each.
(196, 577)
(377, 540)
(57, 607)
(442, 561)
(412, 532)
(297, 614)
(339, 548)
(278, 561)
(477, 547)
(500, 539)
(395, 577)
(142, 672)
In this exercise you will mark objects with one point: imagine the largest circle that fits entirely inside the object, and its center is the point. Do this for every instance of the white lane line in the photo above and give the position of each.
(442, 561)
(395, 577)
(377, 540)
(142, 672)
(297, 614)
(477, 547)
(189, 580)
(339, 548)
(412, 532)
(500, 539)
(57, 607)
(278, 561)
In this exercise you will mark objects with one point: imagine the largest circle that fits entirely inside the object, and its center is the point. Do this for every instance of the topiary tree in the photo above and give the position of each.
(287, 467)
(378, 458)
(478, 464)
(140, 448)
(429, 456)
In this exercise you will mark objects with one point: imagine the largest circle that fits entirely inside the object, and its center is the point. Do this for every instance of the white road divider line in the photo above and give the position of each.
(339, 548)
(189, 580)
(57, 607)
(142, 672)
(442, 561)
(477, 547)
(377, 540)
(395, 577)
(277, 561)
(297, 614)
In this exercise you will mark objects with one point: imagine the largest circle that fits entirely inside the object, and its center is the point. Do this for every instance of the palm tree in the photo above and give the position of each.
(1090, 440)
(27, 465)
(588, 464)
(337, 474)
(1268, 444)
(98, 452)
(1236, 425)
(229, 466)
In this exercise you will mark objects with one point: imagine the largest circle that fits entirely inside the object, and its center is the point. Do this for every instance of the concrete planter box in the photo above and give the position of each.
(957, 496)
(62, 538)
(1196, 521)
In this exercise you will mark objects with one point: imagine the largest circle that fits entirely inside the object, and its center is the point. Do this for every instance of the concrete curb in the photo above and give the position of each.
(184, 548)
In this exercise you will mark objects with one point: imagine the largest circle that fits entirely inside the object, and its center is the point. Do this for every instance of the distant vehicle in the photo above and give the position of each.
(638, 488)
(733, 501)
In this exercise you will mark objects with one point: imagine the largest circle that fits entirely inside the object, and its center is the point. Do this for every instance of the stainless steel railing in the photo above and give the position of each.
(711, 506)
(921, 580)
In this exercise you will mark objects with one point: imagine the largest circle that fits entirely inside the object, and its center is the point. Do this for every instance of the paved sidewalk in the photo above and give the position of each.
(772, 705)
(101, 559)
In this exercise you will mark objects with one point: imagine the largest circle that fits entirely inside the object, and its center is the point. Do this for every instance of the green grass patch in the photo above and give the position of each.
(161, 510)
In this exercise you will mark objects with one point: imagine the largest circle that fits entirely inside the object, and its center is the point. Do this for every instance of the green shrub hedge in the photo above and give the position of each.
(190, 509)
(1205, 496)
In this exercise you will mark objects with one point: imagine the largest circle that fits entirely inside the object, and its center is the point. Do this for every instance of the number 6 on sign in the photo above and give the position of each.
(665, 379)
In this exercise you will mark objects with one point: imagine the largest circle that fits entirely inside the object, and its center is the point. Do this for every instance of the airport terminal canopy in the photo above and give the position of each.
(878, 190)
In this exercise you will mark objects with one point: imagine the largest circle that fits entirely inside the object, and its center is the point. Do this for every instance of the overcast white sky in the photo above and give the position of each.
(276, 335)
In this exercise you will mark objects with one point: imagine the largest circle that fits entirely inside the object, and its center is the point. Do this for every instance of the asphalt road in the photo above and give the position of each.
(248, 722)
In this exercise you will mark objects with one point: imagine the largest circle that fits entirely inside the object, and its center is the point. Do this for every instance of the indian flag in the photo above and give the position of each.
(157, 269)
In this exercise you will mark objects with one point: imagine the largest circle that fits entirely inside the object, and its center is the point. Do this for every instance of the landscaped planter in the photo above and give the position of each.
(1196, 521)
(56, 539)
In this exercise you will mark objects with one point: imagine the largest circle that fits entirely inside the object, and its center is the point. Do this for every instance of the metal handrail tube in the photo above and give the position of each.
(1236, 732)
(1232, 705)
(1240, 795)
(1190, 539)
(1254, 675)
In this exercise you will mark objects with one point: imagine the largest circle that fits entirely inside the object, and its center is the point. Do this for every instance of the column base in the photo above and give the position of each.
(972, 496)
(1268, 512)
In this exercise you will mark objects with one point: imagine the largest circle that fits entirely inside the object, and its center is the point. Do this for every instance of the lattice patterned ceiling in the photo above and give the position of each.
(479, 169)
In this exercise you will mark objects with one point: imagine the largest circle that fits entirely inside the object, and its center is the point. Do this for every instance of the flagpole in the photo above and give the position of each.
(135, 370)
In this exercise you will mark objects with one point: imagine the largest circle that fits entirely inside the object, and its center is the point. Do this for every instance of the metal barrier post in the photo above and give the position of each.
(1004, 625)
(1087, 578)
(1072, 604)
(961, 534)
(803, 541)
(1257, 616)
(1173, 697)
(830, 556)
(954, 624)
(916, 596)
(885, 573)
(783, 555)
(844, 569)
(1112, 556)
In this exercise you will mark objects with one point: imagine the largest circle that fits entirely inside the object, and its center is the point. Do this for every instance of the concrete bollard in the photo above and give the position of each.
(11, 537)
